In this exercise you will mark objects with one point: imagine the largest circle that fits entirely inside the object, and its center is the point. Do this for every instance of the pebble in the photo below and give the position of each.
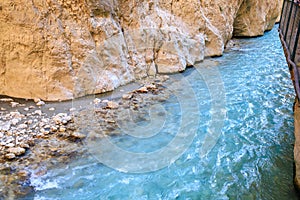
(24, 145)
(14, 121)
(14, 104)
(151, 86)
(4, 126)
(17, 150)
(78, 135)
(6, 99)
(10, 156)
(38, 112)
(62, 129)
(36, 100)
(10, 145)
(112, 105)
(51, 109)
(127, 96)
(97, 101)
(142, 89)
(22, 126)
(53, 129)
(26, 109)
(40, 103)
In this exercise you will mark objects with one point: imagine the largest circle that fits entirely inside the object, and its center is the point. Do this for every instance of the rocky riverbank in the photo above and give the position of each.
(35, 136)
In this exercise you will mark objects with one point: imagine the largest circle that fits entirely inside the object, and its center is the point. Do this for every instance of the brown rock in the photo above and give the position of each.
(127, 96)
(142, 89)
(17, 150)
(78, 135)
(112, 105)
(10, 156)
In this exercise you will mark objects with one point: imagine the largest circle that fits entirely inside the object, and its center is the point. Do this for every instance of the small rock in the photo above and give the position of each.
(142, 90)
(14, 121)
(6, 99)
(36, 100)
(10, 156)
(40, 103)
(151, 86)
(127, 96)
(2, 109)
(38, 112)
(10, 145)
(14, 104)
(53, 129)
(47, 126)
(24, 145)
(22, 126)
(72, 109)
(4, 126)
(166, 77)
(51, 109)
(112, 105)
(97, 101)
(23, 174)
(26, 109)
(78, 135)
(62, 129)
(17, 150)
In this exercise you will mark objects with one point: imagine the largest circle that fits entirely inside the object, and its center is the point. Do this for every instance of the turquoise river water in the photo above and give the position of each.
(236, 111)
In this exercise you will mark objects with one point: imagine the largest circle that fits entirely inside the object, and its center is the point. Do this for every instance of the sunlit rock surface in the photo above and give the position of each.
(58, 50)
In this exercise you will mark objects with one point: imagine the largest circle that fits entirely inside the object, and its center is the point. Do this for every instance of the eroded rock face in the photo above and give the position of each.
(255, 17)
(63, 49)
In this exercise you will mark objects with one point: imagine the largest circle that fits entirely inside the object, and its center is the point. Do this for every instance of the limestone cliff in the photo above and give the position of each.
(62, 49)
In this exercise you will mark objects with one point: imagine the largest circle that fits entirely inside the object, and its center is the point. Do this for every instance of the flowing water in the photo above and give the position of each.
(239, 136)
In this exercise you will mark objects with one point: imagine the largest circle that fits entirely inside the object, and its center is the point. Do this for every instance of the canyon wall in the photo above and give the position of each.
(63, 49)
